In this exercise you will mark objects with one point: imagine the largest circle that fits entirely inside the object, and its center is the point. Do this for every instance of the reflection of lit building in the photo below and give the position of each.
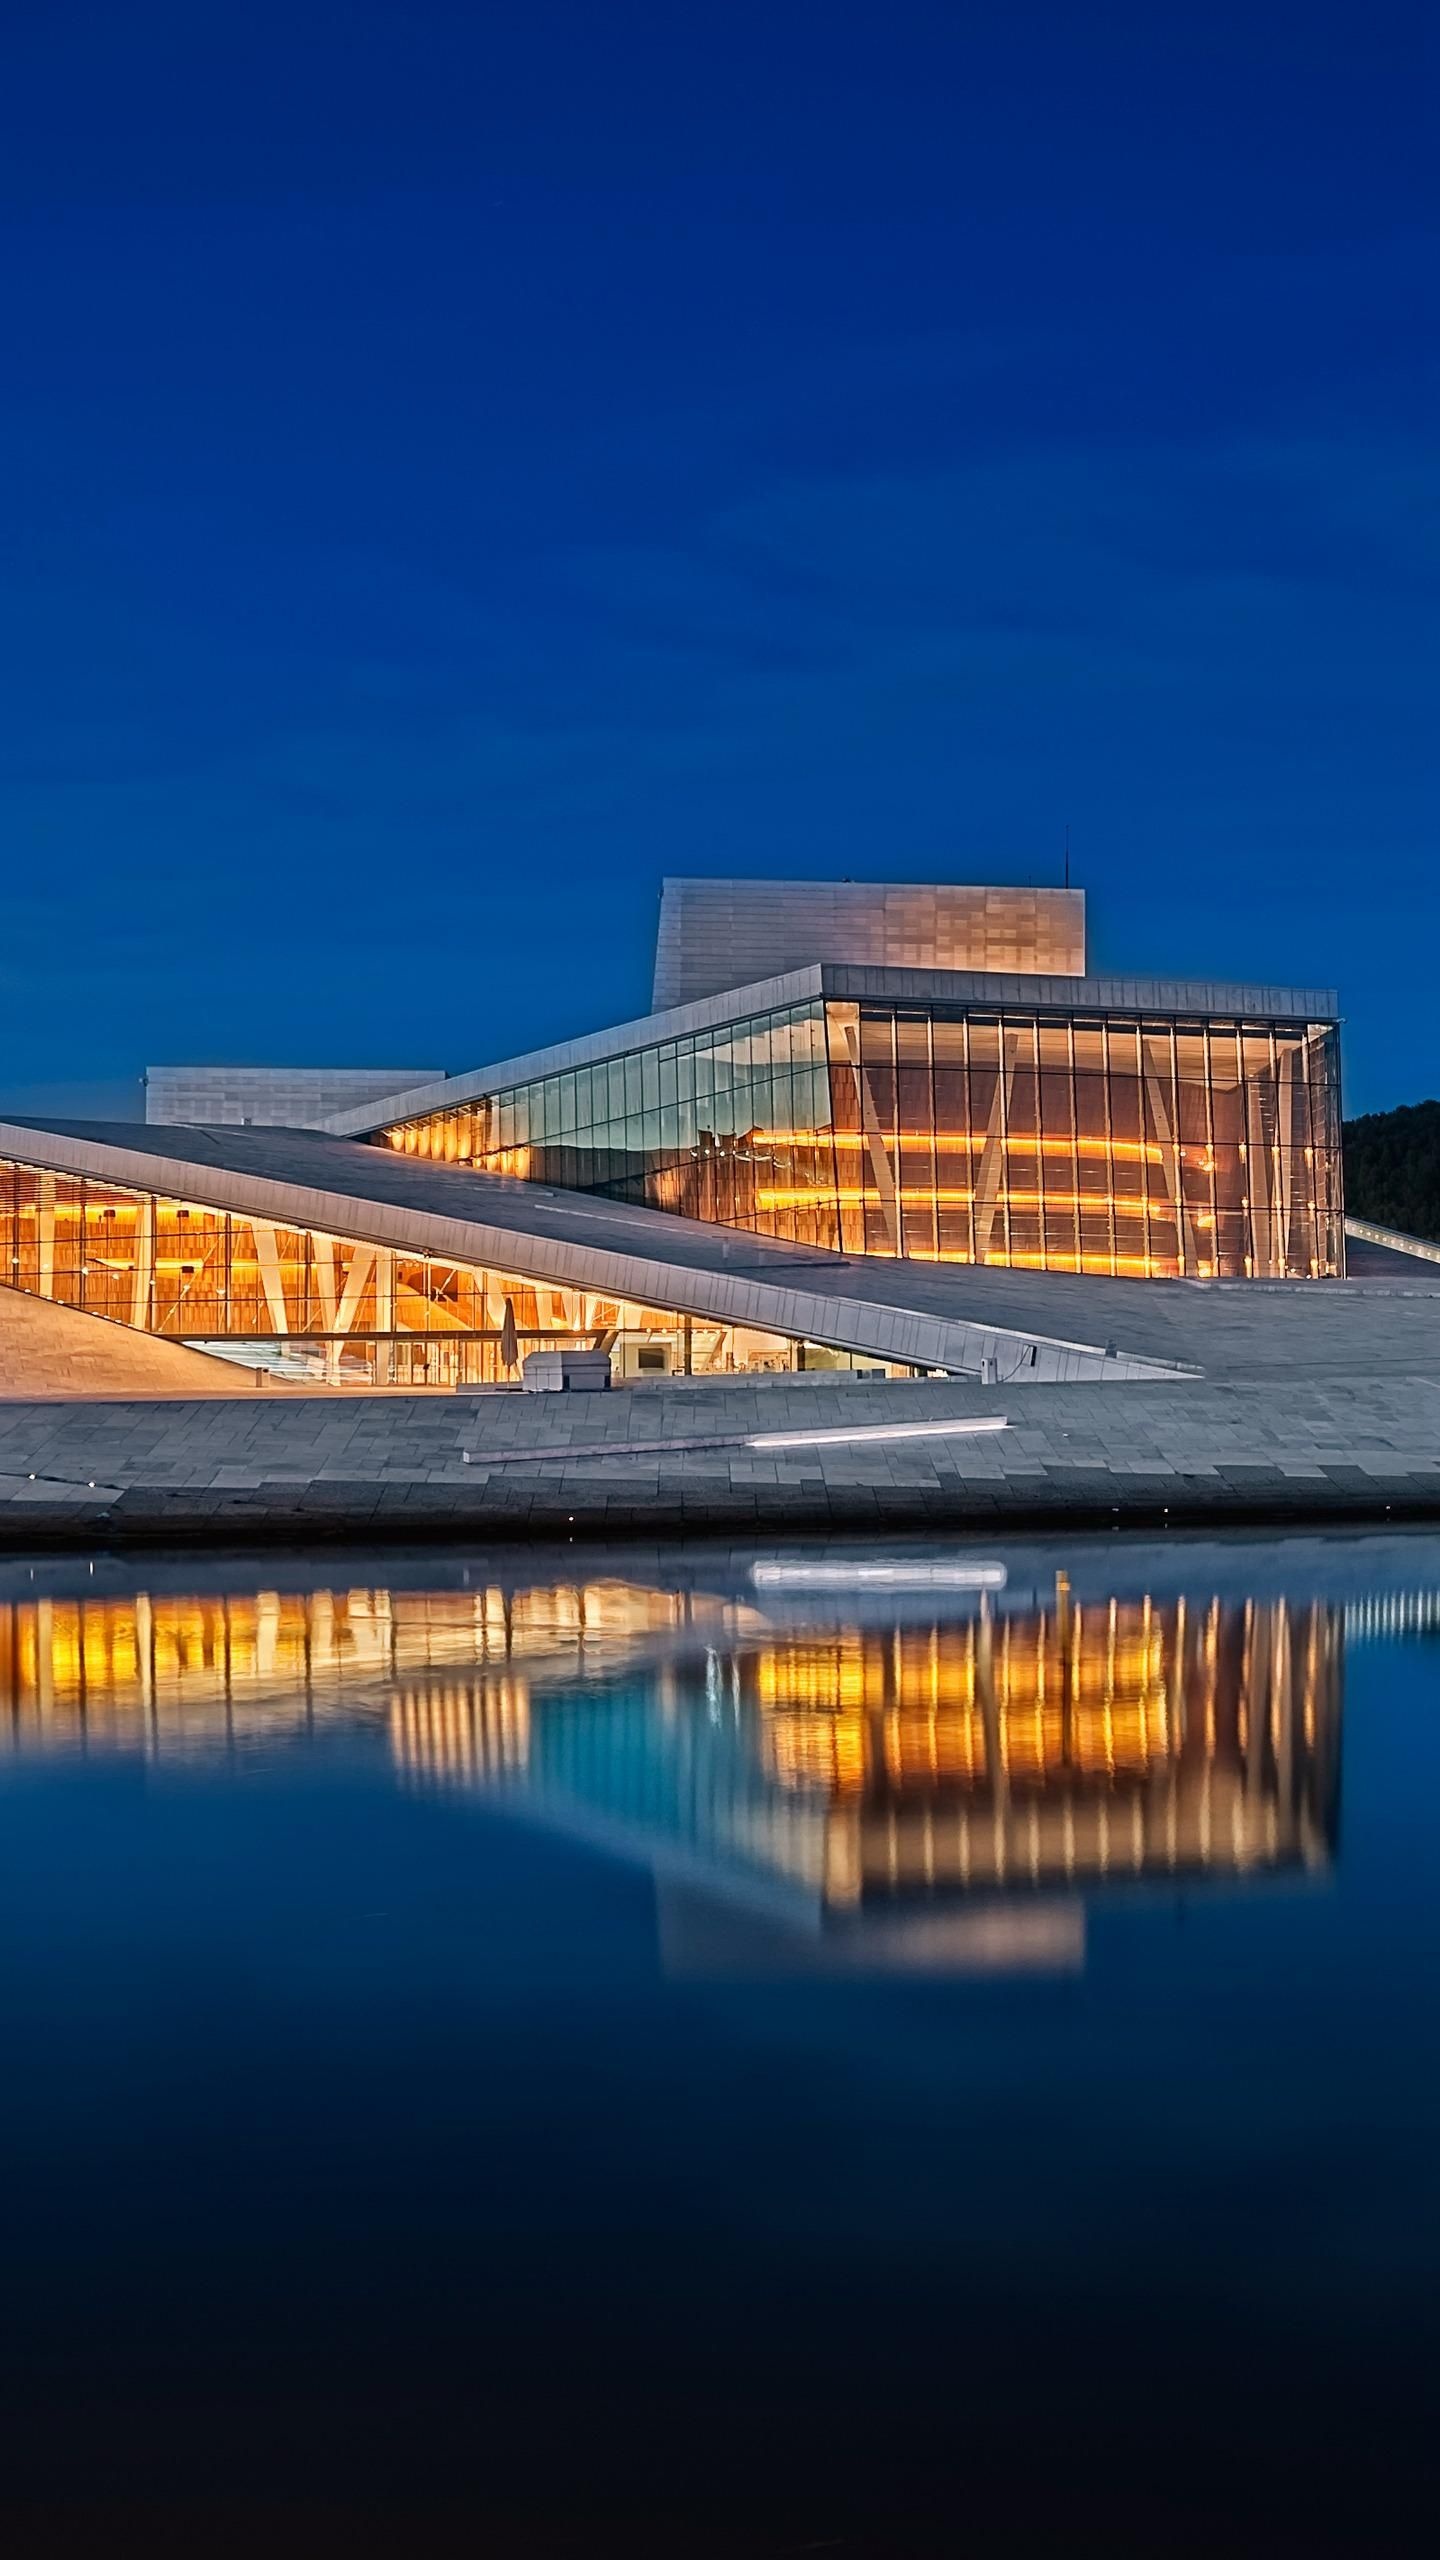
(1081, 1743)
(1392, 1613)
(1007, 1752)
(175, 1674)
(831, 1769)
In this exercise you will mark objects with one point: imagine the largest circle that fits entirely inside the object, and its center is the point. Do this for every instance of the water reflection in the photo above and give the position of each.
(932, 1761)
(172, 1674)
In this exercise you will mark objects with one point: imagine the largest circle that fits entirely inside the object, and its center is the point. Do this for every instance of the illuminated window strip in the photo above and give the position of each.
(1102, 1265)
(952, 1141)
(1107, 1204)
(1145, 1265)
(974, 1142)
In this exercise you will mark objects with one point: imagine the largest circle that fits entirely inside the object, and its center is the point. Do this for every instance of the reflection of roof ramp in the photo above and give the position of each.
(704, 1934)
(885, 1309)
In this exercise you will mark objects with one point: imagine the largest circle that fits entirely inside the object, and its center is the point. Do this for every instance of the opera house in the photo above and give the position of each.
(898, 1128)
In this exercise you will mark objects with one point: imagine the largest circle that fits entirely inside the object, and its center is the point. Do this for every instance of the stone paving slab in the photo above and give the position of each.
(625, 1464)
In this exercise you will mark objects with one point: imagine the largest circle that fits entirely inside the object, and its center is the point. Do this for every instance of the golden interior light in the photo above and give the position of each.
(972, 1142)
(1147, 1266)
(1107, 1204)
(1103, 1265)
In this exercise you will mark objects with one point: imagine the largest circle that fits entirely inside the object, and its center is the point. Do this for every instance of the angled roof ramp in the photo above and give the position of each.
(888, 1311)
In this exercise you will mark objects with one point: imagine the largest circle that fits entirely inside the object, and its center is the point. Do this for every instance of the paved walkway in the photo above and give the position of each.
(683, 1459)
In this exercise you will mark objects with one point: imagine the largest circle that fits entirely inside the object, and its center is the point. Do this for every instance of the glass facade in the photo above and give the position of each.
(1139, 1146)
(326, 1306)
(693, 1125)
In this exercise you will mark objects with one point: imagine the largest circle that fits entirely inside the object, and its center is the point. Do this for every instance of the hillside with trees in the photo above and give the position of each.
(1392, 1168)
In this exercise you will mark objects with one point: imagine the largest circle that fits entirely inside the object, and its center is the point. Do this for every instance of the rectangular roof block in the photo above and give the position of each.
(721, 933)
(270, 1097)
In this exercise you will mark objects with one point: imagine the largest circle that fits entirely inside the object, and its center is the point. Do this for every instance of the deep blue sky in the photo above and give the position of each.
(460, 462)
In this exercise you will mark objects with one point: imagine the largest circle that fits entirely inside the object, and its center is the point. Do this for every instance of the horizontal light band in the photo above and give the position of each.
(881, 1577)
(915, 1197)
(971, 1142)
(879, 1431)
(1153, 1267)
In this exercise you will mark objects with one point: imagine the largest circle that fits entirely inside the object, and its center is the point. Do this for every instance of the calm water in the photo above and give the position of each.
(859, 2049)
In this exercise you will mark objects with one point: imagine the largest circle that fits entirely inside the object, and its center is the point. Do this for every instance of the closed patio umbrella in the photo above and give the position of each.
(509, 1339)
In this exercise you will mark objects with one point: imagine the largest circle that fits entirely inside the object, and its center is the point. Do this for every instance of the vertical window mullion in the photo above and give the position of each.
(1111, 1214)
(1003, 1100)
(1075, 1191)
(1178, 1203)
(934, 1146)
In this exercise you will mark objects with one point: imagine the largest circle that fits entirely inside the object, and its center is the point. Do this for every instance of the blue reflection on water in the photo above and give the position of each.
(630, 2036)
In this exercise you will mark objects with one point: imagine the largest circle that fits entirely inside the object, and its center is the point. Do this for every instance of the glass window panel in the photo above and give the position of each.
(1057, 1099)
(815, 1039)
(1092, 1118)
(1232, 1242)
(877, 1234)
(1223, 1042)
(845, 1107)
(984, 1110)
(1061, 1227)
(954, 1227)
(1022, 1092)
(1126, 1112)
(917, 1220)
(1159, 1104)
(878, 1060)
(951, 1108)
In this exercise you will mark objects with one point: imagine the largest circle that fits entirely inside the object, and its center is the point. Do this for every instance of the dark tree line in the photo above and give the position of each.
(1392, 1169)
